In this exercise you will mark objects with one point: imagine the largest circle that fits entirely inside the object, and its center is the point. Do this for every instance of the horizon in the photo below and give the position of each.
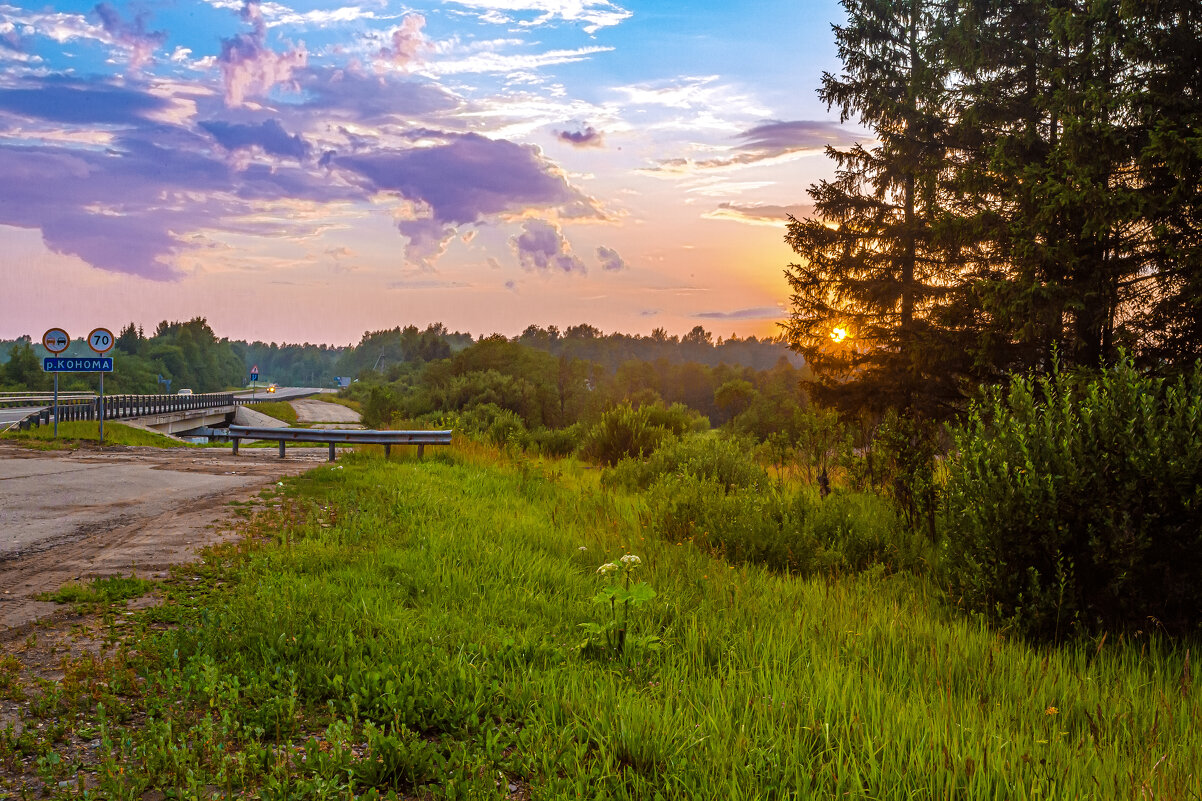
(311, 172)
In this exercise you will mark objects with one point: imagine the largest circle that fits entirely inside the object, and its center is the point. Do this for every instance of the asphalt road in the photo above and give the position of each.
(92, 511)
(10, 416)
(283, 393)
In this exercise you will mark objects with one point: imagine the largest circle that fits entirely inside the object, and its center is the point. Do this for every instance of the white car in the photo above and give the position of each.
(184, 392)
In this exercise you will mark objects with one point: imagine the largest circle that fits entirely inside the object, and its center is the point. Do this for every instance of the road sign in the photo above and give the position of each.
(254, 373)
(56, 340)
(77, 364)
(101, 340)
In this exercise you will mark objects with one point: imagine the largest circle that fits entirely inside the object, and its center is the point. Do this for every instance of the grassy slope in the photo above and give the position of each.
(70, 433)
(280, 410)
(416, 627)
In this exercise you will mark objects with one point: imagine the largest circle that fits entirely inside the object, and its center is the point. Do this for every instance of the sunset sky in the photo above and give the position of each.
(306, 171)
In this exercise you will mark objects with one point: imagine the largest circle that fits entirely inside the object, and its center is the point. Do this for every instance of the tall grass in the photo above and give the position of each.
(414, 628)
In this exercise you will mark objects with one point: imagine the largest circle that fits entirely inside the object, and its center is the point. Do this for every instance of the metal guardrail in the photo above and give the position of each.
(123, 407)
(11, 399)
(336, 435)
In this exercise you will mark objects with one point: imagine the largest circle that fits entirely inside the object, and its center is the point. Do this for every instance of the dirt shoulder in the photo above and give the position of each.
(90, 512)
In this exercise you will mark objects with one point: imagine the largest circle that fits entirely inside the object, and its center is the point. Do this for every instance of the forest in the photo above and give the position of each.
(1033, 194)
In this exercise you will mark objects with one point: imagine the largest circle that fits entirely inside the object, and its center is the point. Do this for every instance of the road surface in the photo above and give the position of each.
(91, 512)
(12, 415)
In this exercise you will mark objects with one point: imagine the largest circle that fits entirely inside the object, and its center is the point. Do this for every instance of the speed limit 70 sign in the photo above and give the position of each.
(101, 340)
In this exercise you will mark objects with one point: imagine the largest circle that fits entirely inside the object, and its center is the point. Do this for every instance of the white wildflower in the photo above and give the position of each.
(607, 569)
(631, 561)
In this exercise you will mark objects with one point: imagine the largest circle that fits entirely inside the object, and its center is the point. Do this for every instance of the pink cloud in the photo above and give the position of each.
(408, 42)
(249, 66)
(134, 37)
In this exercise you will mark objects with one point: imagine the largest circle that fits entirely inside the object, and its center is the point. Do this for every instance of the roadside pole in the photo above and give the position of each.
(101, 340)
(56, 340)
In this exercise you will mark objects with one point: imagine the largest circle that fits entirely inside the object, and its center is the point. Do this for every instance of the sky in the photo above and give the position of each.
(305, 171)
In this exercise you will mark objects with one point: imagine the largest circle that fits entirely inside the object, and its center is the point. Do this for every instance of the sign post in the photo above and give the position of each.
(254, 378)
(56, 340)
(101, 341)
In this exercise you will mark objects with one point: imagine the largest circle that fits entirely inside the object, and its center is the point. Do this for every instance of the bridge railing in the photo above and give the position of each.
(123, 407)
(11, 399)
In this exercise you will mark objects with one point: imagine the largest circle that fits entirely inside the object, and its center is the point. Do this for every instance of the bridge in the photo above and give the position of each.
(170, 414)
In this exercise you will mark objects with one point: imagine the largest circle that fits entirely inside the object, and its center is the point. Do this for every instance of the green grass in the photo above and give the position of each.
(413, 628)
(101, 591)
(280, 410)
(72, 433)
(341, 401)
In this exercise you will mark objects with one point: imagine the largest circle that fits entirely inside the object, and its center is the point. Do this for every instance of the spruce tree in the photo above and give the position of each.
(876, 264)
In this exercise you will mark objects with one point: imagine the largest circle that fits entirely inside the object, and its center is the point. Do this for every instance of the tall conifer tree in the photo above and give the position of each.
(873, 263)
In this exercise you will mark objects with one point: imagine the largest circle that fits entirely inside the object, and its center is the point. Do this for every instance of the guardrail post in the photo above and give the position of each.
(331, 451)
(281, 449)
(421, 448)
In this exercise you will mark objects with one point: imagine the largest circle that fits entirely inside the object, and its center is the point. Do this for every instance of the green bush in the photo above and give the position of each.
(1077, 506)
(506, 427)
(623, 432)
(801, 533)
(723, 460)
(677, 419)
(555, 442)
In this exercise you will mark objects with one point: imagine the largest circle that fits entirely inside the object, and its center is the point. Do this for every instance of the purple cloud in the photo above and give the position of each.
(269, 135)
(757, 313)
(589, 137)
(541, 246)
(610, 260)
(466, 179)
(249, 66)
(140, 43)
(369, 98)
(129, 208)
(769, 140)
(777, 136)
(760, 214)
(61, 100)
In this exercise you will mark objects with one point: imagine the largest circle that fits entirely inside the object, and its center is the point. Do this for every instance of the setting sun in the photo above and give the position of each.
(839, 333)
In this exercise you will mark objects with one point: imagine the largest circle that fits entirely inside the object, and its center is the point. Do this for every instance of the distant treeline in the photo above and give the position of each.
(190, 355)
(544, 395)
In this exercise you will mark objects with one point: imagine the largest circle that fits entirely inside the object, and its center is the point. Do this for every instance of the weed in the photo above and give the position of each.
(610, 636)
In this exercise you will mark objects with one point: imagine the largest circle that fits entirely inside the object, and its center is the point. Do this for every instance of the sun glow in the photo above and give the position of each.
(839, 333)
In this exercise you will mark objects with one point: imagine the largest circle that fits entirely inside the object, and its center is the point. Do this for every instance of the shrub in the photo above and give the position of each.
(906, 449)
(677, 419)
(555, 442)
(622, 432)
(1079, 506)
(723, 460)
(506, 427)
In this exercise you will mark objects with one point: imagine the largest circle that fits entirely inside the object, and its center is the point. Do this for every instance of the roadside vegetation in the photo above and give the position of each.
(474, 626)
(71, 434)
(280, 410)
